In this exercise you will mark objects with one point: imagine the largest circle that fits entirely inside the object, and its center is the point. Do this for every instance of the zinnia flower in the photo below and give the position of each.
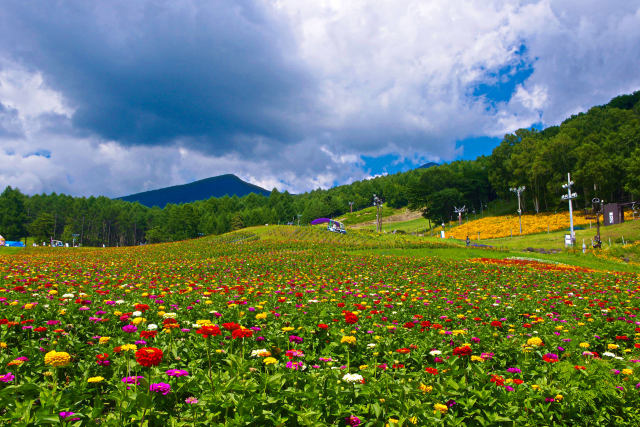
(439, 407)
(352, 378)
(163, 388)
(177, 373)
(57, 358)
(95, 379)
(208, 330)
(7, 378)
(149, 356)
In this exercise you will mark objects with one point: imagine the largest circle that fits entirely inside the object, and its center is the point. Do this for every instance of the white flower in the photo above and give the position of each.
(169, 315)
(608, 354)
(435, 352)
(120, 301)
(152, 326)
(258, 352)
(67, 296)
(352, 378)
(136, 314)
(195, 325)
(371, 345)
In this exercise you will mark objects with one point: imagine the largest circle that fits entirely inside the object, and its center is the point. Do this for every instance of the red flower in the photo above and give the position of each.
(497, 379)
(496, 324)
(409, 325)
(517, 381)
(637, 345)
(148, 334)
(462, 351)
(40, 329)
(149, 356)
(579, 368)
(526, 325)
(622, 337)
(350, 318)
(141, 307)
(241, 333)
(102, 357)
(403, 350)
(208, 330)
(231, 326)
(169, 321)
(323, 326)
(432, 371)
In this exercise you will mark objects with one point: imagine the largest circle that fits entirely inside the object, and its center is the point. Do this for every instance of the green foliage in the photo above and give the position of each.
(12, 215)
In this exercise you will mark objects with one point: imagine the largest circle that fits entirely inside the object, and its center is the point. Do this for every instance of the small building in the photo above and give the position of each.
(613, 213)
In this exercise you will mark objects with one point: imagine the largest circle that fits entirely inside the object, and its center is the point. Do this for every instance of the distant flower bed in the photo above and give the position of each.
(504, 226)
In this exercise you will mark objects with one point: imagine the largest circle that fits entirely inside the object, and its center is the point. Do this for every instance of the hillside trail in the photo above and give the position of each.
(403, 216)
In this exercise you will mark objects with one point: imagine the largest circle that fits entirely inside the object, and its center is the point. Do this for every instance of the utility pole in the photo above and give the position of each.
(570, 196)
(519, 191)
(351, 207)
(377, 203)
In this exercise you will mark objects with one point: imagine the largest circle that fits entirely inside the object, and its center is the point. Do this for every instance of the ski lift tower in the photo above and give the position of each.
(377, 202)
(519, 191)
(597, 211)
(568, 197)
(459, 211)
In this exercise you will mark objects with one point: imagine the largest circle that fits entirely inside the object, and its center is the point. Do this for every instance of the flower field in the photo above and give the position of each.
(272, 330)
(502, 226)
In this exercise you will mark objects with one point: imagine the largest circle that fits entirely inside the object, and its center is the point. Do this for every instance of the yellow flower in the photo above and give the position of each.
(584, 345)
(117, 313)
(559, 397)
(3, 344)
(28, 306)
(627, 371)
(15, 362)
(363, 367)
(477, 359)
(536, 387)
(270, 361)
(392, 422)
(535, 341)
(439, 407)
(348, 339)
(261, 316)
(287, 329)
(203, 322)
(425, 388)
(127, 347)
(612, 346)
(104, 340)
(413, 420)
(95, 379)
(57, 359)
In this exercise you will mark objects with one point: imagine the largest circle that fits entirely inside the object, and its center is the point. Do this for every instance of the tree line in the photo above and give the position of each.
(600, 148)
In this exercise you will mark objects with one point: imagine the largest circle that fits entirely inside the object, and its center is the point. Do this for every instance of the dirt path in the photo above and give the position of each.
(405, 215)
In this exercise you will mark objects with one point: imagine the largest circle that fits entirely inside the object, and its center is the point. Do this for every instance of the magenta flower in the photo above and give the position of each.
(191, 400)
(129, 328)
(177, 373)
(7, 378)
(353, 421)
(132, 380)
(163, 388)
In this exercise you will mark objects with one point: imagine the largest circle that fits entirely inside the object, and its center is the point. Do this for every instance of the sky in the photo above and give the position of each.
(117, 97)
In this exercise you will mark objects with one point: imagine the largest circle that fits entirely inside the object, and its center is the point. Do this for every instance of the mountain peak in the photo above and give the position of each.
(216, 186)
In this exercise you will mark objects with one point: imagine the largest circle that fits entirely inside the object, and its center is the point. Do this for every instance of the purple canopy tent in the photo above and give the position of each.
(320, 221)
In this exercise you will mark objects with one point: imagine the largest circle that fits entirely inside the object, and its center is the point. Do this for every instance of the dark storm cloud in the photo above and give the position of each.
(217, 75)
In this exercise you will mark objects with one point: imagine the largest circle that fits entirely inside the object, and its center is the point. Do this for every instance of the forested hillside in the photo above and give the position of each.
(600, 148)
